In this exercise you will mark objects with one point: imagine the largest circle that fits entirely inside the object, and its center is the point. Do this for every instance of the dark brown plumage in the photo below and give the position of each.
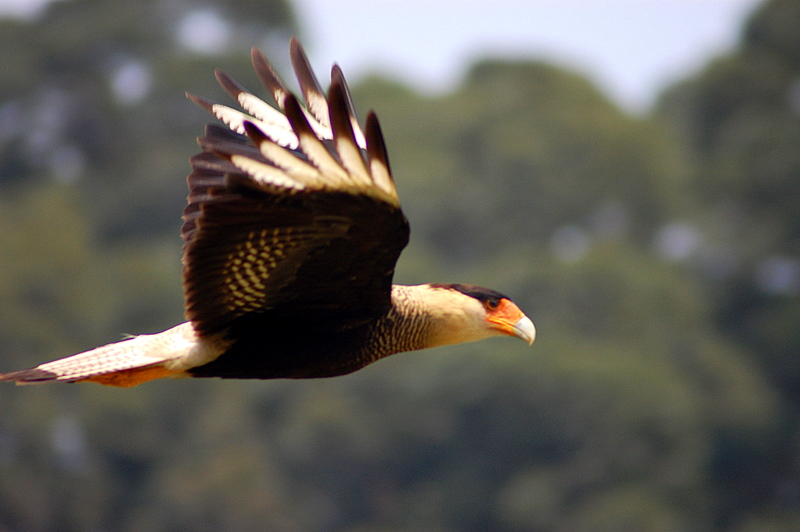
(291, 234)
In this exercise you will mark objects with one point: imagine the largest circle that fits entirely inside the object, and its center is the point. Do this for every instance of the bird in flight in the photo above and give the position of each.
(291, 234)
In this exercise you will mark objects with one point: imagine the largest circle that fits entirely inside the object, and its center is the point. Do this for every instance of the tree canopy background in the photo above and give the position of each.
(658, 255)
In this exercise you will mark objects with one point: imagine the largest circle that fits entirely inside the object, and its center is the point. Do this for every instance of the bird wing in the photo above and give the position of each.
(291, 212)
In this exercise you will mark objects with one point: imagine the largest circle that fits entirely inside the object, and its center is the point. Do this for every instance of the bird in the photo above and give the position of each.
(291, 234)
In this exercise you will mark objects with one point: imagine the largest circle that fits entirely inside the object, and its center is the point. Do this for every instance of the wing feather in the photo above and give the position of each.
(337, 79)
(309, 86)
(268, 118)
(268, 77)
(273, 83)
(313, 147)
(344, 135)
(292, 212)
(379, 157)
(282, 158)
(278, 130)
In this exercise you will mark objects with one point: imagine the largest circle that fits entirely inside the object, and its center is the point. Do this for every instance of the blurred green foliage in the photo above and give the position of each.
(658, 256)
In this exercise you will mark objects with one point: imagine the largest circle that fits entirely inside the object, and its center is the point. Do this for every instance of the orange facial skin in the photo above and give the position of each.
(505, 316)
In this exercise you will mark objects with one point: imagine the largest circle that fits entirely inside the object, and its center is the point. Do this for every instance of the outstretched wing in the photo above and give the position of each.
(290, 213)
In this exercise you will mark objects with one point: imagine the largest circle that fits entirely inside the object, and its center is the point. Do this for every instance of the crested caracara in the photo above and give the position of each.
(291, 234)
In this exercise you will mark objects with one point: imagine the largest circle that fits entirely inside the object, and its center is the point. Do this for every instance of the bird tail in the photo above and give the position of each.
(126, 363)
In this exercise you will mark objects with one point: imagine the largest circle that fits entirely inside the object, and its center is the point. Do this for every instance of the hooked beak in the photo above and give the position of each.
(510, 320)
(525, 329)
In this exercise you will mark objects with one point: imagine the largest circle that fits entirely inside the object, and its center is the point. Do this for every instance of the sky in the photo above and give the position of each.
(630, 48)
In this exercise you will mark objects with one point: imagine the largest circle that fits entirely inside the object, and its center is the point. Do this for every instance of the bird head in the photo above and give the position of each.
(465, 313)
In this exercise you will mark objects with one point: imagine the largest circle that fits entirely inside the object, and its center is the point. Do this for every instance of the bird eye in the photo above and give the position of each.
(492, 303)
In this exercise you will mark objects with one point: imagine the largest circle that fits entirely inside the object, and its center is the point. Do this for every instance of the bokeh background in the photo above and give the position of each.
(649, 223)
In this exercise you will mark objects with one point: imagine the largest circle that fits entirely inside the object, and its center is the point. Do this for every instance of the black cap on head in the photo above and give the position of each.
(478, 292)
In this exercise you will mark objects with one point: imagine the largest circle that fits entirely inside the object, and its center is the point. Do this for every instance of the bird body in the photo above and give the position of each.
(291, 235)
